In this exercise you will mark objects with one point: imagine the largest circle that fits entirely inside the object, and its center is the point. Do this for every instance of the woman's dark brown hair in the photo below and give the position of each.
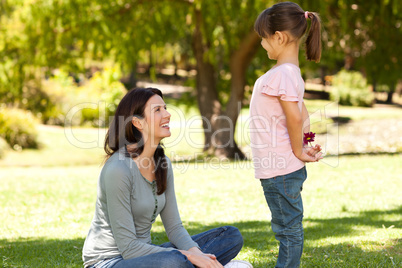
(122, 134)
(289, 16)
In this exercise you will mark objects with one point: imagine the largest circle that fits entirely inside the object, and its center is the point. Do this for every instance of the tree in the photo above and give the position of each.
(68, 33)
(383, 61)
(368, 34)
(224, 43)
(75, 36)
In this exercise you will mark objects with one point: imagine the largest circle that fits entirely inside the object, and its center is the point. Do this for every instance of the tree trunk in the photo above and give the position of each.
(349, 62)
(374, 85)
(207, 95)
(323, 74)
(392, 87)
(219, 126)
(390, 95)
(226, 125)
(132, 81)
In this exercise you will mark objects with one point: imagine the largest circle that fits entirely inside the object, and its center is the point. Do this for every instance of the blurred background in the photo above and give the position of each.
(65, 65)
(204, 55)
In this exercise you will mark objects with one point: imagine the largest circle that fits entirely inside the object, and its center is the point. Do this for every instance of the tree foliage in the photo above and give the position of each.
(37, 37)
(368, 34)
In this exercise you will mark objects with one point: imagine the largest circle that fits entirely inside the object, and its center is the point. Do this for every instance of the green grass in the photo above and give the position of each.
(84, 146)
(353, 205)
(60, 147)
(353, 212)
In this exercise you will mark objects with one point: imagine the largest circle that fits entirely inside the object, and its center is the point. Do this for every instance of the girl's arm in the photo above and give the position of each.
(294, 123)
(306, 119)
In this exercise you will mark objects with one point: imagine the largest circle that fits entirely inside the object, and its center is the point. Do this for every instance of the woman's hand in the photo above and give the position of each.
(200, 259)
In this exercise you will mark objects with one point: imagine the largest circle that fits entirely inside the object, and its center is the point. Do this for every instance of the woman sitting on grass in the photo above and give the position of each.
(135, 186)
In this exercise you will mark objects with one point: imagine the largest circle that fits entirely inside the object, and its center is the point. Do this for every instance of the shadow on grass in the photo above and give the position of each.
(204, 158)
(363, 154)
(259, 241)
(41, 252)
(260, 245)
(351, 256)
(346, 226)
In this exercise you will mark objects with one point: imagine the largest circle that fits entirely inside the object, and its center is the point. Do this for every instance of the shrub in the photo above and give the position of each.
(62, 94)
(105, 90)
(58, 99)
(3, 147)
(92, 102)
(351, 88)
(18, 128)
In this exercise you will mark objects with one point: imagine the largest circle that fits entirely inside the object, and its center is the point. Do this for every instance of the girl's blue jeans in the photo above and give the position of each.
(283, 195)
(224, 242)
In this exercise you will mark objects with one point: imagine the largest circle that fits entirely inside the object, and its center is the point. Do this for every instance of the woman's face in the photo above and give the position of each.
(155, 125)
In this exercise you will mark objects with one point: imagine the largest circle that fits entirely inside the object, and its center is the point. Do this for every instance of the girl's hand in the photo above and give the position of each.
(311, 154)
(200, 259)
(313, 150)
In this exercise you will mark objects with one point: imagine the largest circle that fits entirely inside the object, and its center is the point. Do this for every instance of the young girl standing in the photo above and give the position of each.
(278, 120)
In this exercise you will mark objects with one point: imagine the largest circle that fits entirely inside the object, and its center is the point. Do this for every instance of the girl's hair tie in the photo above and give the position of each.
(306, 14)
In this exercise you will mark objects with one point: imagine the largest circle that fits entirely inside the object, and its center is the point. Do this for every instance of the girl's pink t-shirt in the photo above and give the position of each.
(269, 137)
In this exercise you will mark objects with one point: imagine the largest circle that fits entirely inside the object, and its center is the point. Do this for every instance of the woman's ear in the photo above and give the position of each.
(137, 123)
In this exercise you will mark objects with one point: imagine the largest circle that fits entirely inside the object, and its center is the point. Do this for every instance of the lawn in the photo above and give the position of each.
(84, 146)
(353, 212)
(353, 205)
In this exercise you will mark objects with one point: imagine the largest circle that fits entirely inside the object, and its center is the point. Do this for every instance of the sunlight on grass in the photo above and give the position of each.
(352, 216)
(353, 208)
(84, 146)
(61, 149)
(356, 113)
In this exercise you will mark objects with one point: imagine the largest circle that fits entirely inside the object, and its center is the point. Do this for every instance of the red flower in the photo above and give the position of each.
(308, 137)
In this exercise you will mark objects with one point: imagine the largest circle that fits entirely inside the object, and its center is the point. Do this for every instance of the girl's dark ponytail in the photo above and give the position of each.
(289, 16)
(313, 41)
